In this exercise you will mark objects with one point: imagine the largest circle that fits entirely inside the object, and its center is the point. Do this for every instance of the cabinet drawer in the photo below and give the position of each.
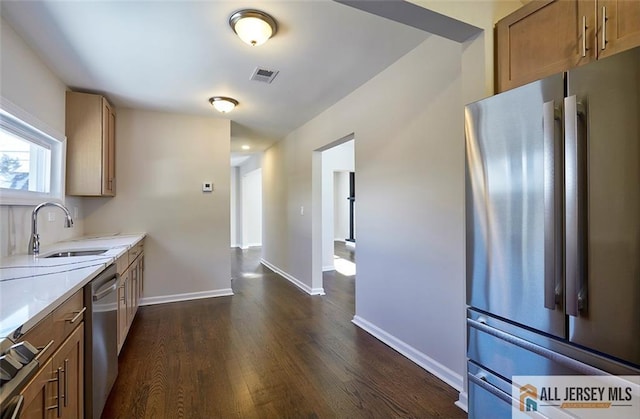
(68, 316)
(135, 251)
(122, 263)
(58, 325)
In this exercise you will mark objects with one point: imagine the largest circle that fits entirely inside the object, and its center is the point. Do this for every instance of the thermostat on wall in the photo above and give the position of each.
(207, 187)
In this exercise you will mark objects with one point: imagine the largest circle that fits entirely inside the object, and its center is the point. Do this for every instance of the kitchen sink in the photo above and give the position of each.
(71, 253)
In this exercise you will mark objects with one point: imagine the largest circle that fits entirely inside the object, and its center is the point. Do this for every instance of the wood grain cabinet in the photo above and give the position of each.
(619, 21)
(546, 37)
(57, 390)
(90, 131)
(131, 269)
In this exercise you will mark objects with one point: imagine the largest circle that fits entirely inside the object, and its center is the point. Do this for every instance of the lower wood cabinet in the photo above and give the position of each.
(57, 390)
(131, 270)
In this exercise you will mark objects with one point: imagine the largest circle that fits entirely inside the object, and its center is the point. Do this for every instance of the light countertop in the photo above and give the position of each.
(31, 287)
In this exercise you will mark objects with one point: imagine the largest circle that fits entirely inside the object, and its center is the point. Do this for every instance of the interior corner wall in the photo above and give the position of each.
(482, 14)
(161, 161)
(27, 82)
(409, 155)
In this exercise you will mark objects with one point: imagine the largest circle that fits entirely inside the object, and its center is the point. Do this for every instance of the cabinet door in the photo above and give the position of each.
(122, 309)
(543, 38)
(39, 402)
(68, 364)
(132, 302)
(618, 26)
(108, 152)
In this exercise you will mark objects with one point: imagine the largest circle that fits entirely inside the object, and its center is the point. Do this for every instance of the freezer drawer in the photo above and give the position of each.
(509, 350)
(489, 395)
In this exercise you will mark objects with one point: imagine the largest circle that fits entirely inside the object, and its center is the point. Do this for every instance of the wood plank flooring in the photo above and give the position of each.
(270, 351)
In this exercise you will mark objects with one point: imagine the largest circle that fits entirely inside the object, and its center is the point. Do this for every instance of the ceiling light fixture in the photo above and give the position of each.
(246, 147)
(253, 26)
(223, 104)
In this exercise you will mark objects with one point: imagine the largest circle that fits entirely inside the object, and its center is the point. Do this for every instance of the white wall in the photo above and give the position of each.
(341, 206)
(235, 220)
(162, 160)
(338, 158)
(409, 158)
(478, 61)
(27, 82)
(252, 208)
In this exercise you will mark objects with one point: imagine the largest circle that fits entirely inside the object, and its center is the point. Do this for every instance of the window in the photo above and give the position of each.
(31, 160)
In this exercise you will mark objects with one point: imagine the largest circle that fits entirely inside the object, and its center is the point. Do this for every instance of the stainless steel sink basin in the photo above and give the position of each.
(71, 253)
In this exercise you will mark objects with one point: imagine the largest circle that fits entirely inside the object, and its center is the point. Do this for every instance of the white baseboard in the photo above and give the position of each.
(246, 246)
(463, 401)
(304, 287)
(148, 301)
(442, 372)
(235, 245)
(328, 268)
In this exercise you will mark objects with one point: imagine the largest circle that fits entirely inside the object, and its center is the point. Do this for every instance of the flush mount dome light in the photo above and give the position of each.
(223, 104)
(253, 26)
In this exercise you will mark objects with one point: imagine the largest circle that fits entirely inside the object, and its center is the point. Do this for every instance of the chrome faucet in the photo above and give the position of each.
(34, 242)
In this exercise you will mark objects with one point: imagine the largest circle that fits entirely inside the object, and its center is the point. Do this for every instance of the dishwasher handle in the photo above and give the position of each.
(106, 289)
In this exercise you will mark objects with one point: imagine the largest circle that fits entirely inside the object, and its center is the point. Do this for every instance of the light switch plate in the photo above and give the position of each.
(207, 186)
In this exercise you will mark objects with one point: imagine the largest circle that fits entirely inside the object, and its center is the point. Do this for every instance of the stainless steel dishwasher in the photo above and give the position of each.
(101, 351)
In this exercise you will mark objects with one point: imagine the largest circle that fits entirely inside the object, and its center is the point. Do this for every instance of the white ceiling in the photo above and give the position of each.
(173, 55)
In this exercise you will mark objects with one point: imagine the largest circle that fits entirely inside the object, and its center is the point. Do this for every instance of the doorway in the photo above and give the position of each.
(251, 185)
(246, 202)
(338, 209)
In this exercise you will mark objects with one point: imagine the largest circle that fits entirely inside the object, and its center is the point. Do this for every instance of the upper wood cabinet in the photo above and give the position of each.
(90, 130)
(546, 37)
(619, 21)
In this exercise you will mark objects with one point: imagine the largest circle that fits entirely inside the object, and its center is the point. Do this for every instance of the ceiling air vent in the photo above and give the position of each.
(264, 75)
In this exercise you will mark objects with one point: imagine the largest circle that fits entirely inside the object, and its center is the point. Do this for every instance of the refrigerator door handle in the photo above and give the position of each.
(552, 120)
(575, 143)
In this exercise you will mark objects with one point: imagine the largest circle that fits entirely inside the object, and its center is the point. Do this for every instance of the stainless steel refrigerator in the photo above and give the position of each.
(553, 230)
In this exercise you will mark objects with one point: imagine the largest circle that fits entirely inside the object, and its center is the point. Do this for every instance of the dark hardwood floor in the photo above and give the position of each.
(270, 351)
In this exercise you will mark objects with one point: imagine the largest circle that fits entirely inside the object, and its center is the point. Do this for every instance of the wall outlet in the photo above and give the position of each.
(207, 186)
(301, 210)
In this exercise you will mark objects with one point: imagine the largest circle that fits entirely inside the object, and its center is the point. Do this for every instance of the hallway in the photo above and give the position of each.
(270, 351)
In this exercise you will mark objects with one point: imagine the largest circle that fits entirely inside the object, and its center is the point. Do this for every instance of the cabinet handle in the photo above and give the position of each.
(78, 315)
(43, 350)
(66, 382)
(584, 36)
(604, 27)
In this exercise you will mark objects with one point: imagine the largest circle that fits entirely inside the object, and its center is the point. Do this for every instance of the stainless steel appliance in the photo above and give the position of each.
(101, 356)
(553, 230)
